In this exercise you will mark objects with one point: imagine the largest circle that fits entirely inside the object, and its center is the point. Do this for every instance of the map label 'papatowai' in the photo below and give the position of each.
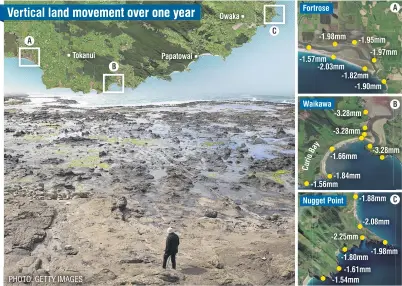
(176, 56)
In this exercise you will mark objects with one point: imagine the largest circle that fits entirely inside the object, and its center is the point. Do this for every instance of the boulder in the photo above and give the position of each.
(211, 214)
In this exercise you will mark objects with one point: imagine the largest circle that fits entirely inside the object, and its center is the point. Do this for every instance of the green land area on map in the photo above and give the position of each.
(319, 126)
(372, 24)
(318, 226)
(393, 133)
(137, 46)
(344, 124)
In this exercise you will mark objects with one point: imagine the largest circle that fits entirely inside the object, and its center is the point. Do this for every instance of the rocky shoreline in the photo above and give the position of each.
(222, 174)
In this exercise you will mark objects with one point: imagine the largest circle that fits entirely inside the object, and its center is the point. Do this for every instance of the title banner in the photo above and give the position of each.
(82, 12)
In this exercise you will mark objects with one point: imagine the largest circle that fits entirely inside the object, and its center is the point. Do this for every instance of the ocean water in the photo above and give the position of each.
(383, 210)
(259, 70)
(385, 269)
(374, 173)
(313, 80)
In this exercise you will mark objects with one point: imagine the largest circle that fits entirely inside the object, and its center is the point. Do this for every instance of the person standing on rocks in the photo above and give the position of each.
(172, 247)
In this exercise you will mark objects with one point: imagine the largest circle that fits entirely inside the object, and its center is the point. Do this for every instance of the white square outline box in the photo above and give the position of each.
(112, 74)
(19, 57)
(274, 6)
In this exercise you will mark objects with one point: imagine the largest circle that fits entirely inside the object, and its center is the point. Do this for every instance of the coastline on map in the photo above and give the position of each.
(328, 54)
(323, 169)
(355, 210)
(307, 280)
(356, 215)
(196, 57)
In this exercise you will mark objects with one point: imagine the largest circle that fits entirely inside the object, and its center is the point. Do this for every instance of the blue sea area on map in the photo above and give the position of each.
(314, 80)
(374, 173)
(385, 269)
(384, 210)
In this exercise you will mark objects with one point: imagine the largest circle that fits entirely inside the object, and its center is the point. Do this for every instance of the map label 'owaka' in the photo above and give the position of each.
(230, 16)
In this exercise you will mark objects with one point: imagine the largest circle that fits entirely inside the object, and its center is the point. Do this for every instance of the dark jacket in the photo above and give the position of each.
(172, 243)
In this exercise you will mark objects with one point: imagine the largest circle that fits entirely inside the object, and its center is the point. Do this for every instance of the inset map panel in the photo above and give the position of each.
(350, 143)
(350, 47)
(349, 239)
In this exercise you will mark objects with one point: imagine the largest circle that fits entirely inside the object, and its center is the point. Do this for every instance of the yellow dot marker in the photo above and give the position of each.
(365, 112)
(359, 226)
(373, 60)
(332, 148)
(306, 183)
(338, 268)
(354, 42)
(335, 44)
(385, 242)
(382, 157)
(370, 146)
(323, 278)
(362, 237)
(361, 138)
(365, 127)
(365, 68)
(355, 196)
(329, 176)
(333, 57)
(364, 134)
(344, 249)
(384, 81)
(308, 47)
